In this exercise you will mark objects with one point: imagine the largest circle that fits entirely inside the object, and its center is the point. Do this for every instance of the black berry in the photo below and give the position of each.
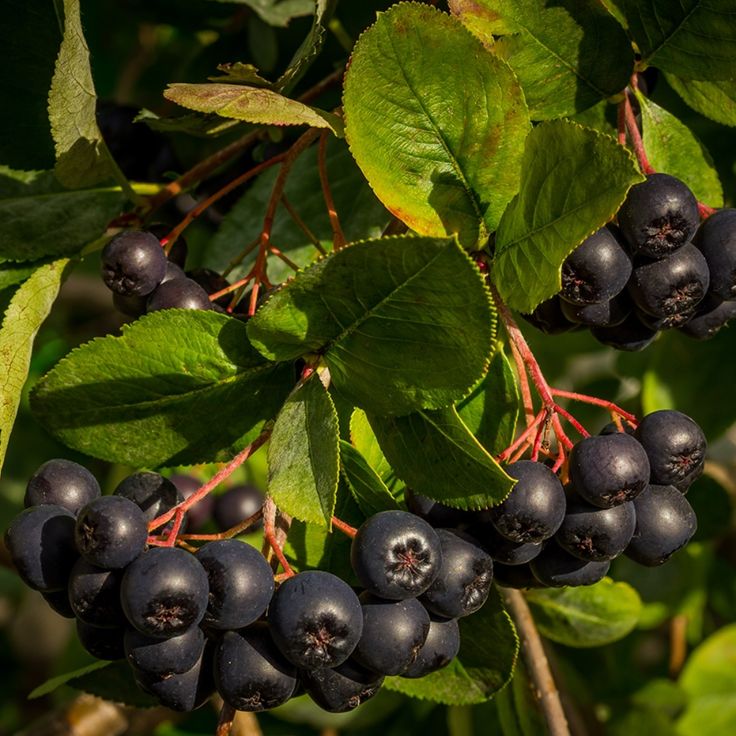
(396, 555)
(630, 335)
(675, 446)
(158, 658)
(211, 282)
(63, 483)
(607, 470)
(549, 318)
(133, 263)
(236, 505)
(178, 294)
(164, 592)
(152, 493)
(501, 549)
(534, 509)
(439, 649)
(604, 314)
(708, 319)
(315, 619)
(341, 689)
(94, 595)
(716, 238)
(665, 522)
(181, 692)
(58, 600)
(658, 216)
(555, 568)
(436, 513)
(178, 251)
(199, 514)
(519, 577)
(101, 642)
(111, 532)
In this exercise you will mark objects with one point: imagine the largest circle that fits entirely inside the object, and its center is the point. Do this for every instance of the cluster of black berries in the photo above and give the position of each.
(625, 495)
(190, 624)
(656, 270)
(143, 279)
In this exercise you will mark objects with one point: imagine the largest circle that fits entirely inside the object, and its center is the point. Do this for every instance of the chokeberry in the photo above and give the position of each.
(610, 469)
(716, 238)
(709, 319)
(63, 483)
(58, 600)
(343, 688)
(501, 549)
(436, 513)
(151, 492)
(111, 532)
(603, 314)
(658, 216)
(240, 583)
(630, 335)
(555, 568)
(199, 514)
(534, 509)
(211, 282)
(178, 251)
(464, 580)
(675, 446)
(519, 577)
(596, 270)
(130, 306)
(163, 657)
(665, 522)
(94, 595)
(40, 541)
(164, 592)
(315, 619)
(396, 555)
(593, 533)
(549, 318)
(178, 294)
(236, 505)
(251, 674)
(439, 649)
(672, 285)
(101, 642)
(133, 263)
(182, 692)
(393, 634)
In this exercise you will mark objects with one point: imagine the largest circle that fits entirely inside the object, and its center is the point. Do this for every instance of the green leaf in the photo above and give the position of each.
(365, 441)
(55, 683)
(309, 48)
(694, 38)
(361, 214)
(303, 455)
(435, 454)
(672, 147)
(444, 158)
(485, 663)
(518, 708)
(277, 12)
(567, 55)
(709, 679)
(193, 123)
(251, 104)
(177, 387)
(381, 314)
(81, 155)
(39, 218)
(715, 100)
(573, 182)
(369, 491)
(15, 273)
(30, 43)
(586, 617)
(491, 410)
(28, 308)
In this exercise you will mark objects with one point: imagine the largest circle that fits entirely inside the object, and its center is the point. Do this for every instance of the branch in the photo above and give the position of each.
(537, 665)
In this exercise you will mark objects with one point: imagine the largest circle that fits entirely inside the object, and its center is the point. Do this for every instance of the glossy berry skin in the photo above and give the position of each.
(94, 595)
(675, 446)
(393, 634)
(341, 689)
(251, 674)
(665, 523)
(163, 657)
(396, 555)
(40, 541)
(716, 239)
(439, 649)
(58, 600)
(596, 534)
(152, 493)
(464, 580)
(130, 306)
(178, 294)
(549, 318)
(236, 505)
(596, 271)
(556, 568)
(658, 216)
(164, 592)
(631, 335)
(111, 532)
(434, 512)
(607, 470)
(63, 483)
(183, 692)
(315, 619)
(673, 285)
(172, 272)
(103, 643)
(211, 282)
(672, 321)
(179, 250)
(534, 509)
(603, 314)
(708, 319)
(501, 549)
(240, 583)
(519, 577)
(133, 263)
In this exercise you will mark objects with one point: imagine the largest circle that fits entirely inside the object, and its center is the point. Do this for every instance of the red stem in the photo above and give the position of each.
(575, 423)
(595, 401)
(621, 120)
(351, 531)
(338, 236)
(524, 439)
(635, 136)
(526, 394)
(269, 535)
(704, 211)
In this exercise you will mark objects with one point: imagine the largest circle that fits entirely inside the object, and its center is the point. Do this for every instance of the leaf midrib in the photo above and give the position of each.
(674, 33)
